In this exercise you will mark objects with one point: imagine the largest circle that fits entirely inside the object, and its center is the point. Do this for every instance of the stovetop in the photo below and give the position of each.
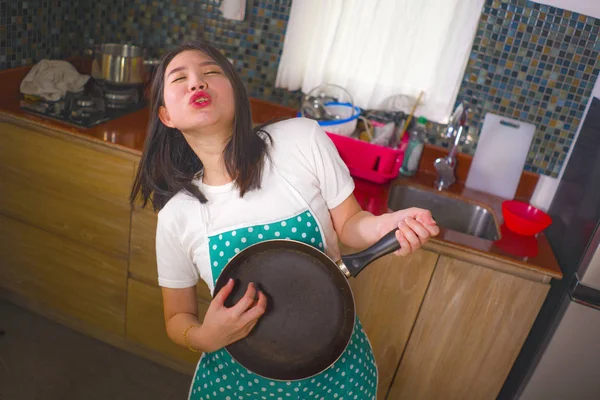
(99, 102)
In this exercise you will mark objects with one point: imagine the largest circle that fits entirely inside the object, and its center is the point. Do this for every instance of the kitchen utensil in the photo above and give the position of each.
(120, 63)
(500, 156)
(412, 112)
(368, 131)
(310, 307)
(523, 218)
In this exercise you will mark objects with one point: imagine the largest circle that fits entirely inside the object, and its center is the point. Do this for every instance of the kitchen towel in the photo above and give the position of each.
(233, 9)
(52, 79)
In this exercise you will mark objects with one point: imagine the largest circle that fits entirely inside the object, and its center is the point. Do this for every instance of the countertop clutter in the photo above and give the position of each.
(75, 250)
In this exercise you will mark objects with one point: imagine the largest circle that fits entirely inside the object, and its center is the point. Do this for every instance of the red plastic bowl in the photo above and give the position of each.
(523, 218)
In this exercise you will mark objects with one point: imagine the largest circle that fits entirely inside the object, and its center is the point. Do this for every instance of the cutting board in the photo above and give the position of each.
(500, 155)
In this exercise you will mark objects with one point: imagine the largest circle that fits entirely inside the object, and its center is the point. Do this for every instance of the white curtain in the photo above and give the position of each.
(380, 48)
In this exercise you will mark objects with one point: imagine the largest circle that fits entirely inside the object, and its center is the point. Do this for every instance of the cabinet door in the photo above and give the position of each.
(388, 295)
(470, 329)
(75, 280)
(142, 253)
(66, 187)
(142, 261)
(146, 324)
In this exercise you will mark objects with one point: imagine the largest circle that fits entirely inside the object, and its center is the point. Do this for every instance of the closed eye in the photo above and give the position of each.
(178, 79)
(212, 72)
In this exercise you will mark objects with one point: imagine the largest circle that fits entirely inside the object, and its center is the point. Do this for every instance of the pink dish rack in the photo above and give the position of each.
(368, 161)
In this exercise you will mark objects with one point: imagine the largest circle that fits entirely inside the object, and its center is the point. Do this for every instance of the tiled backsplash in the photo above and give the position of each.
(535, 63)
(531, 62)
(36, 29)
(254, 44)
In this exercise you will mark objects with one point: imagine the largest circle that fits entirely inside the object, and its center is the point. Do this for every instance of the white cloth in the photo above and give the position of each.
(378, 49)
(302, 154)
(233, 9)
(52, 79)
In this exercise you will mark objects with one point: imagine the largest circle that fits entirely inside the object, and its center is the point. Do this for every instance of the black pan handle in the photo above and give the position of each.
(358, 261)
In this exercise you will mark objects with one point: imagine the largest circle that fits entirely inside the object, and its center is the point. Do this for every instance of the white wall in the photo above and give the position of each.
(586, 7)
(546, 187)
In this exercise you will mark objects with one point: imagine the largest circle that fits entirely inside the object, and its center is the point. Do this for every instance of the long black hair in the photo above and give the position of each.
(168, 164)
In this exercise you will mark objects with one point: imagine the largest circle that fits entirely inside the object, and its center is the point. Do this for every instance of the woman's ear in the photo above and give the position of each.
(163, 114)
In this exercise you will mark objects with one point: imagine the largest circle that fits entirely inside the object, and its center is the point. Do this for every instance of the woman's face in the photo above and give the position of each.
(197, 94)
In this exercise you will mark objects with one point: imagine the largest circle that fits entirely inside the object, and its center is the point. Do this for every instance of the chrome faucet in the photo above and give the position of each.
(445, 165)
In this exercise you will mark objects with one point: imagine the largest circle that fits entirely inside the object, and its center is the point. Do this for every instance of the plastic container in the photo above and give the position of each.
(523, 218)
(368, 161)
(344, 126)
(415, 148)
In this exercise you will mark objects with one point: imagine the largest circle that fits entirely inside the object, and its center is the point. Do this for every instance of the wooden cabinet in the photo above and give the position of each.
(66, 187)
(142, 259)
(388, 294)
(469, 331)
(77, 281)
(145, 322)
(142, 253)
(146, 325)
(64, 225)
(70, 243)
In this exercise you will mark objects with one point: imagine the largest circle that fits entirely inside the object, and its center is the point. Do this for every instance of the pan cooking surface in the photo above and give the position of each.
(309, 318)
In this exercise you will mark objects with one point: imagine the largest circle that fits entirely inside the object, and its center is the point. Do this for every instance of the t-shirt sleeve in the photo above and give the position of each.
(175, 268)
(335, 181)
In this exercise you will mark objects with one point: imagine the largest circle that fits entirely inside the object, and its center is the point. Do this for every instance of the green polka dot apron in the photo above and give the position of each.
(218, 376)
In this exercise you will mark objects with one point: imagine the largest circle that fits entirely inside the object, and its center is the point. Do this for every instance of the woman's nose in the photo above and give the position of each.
(197, 84)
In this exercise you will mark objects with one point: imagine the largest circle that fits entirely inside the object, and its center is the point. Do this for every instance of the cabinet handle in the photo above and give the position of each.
(585, 295)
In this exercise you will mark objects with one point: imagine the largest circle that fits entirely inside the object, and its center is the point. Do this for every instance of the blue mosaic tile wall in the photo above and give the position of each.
(254, 44)
(534, 63)
(36, 29)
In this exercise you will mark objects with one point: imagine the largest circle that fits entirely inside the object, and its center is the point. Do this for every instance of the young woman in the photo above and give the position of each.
(219, 186)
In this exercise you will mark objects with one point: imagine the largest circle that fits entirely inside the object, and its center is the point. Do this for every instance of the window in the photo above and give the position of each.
(380, 48)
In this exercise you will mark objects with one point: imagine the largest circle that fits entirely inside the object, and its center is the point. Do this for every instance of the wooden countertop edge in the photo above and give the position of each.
(50, 129)
(489, 260)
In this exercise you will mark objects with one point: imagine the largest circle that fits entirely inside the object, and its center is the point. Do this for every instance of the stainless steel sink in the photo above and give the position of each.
(449, 212)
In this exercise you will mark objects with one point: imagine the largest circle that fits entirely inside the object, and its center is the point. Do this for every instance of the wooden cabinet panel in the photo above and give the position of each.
(66, 188)
(142, 255)
(470, 329)
(142, 261)
(388, 296)
(146, 324)
(63, 275)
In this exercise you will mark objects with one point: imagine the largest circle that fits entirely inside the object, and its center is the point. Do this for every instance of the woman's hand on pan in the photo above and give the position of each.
(415, 227)
(223, 326)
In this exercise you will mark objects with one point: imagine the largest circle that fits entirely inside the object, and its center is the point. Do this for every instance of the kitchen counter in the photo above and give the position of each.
(128, 133)
(531, 253)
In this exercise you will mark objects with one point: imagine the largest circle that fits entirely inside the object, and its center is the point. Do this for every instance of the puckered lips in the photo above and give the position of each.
(200, 99)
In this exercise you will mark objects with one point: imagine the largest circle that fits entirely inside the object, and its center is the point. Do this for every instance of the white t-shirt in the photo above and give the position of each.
(302, 157)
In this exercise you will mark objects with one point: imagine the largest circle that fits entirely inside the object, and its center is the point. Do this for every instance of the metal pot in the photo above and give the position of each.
(120, 64)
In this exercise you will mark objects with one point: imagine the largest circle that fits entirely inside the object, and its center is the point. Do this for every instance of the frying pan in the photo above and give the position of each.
(310, 312)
